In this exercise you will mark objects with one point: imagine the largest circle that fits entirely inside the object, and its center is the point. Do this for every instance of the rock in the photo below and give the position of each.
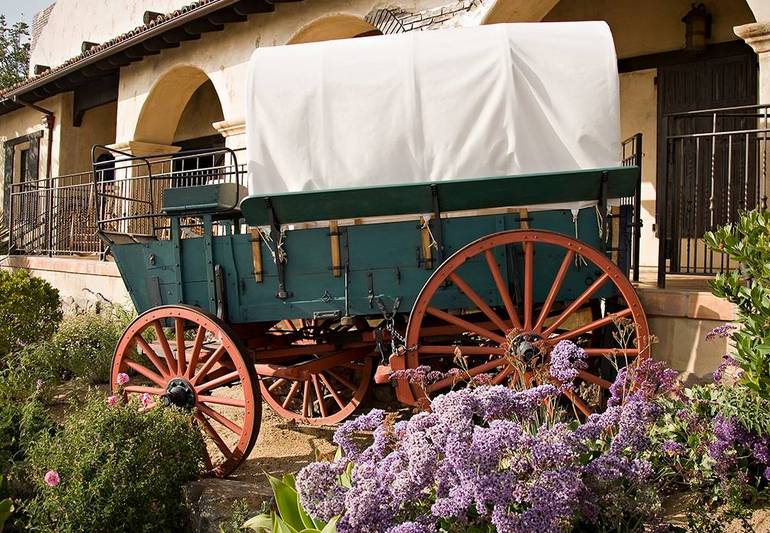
(210, 501)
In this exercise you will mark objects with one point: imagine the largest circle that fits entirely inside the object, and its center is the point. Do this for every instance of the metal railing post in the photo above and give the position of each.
(637, 206)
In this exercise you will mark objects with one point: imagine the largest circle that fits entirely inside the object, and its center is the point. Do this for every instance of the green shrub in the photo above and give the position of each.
(29, 310)
(120, 470)
(83, 346)
(22, 423)
(747, 243)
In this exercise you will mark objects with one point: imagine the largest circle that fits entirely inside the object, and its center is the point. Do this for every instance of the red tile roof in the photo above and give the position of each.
(115, 41)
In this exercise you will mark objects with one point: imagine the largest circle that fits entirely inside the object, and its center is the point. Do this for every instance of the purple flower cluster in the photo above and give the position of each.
(643, 379)
(731, 440)
(473, 460)
(728, 361)
(567, 359)
(720, 332)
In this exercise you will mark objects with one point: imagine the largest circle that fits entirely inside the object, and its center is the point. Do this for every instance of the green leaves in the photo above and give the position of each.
(6, 508)
(14, 52)
(291, 517)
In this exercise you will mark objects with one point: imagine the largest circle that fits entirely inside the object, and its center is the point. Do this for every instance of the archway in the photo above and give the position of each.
(181, 104)
(334, 27)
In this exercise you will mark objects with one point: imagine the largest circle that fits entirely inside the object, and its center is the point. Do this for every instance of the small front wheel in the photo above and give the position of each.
(182, 356)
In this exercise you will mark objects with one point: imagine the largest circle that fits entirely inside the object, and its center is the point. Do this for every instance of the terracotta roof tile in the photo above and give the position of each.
(108, 44)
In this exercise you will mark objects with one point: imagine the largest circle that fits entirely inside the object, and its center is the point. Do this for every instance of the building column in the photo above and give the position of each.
(234, 132)
(757, 35)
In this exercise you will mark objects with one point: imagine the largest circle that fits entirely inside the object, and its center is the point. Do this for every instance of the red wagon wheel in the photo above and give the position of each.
(322, 396)
(323, 373)
(499, 340)
(196, 363)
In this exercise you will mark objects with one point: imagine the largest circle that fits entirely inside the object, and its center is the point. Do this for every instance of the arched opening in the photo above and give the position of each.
(334, 27)
(181, 107)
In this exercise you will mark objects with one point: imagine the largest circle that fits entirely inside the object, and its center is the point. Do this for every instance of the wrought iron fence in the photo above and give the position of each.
(715, 167)
(53, 217)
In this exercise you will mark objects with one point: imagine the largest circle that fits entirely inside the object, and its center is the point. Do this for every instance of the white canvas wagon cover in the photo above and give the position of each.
(461, 103)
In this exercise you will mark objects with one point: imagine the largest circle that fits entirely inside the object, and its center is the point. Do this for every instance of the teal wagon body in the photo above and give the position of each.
(383, 260)
(296, 298)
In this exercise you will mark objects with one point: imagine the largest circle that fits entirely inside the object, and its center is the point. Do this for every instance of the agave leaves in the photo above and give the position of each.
(291, 517)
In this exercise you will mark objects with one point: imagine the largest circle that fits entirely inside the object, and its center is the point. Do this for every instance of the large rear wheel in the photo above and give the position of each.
(604, 317)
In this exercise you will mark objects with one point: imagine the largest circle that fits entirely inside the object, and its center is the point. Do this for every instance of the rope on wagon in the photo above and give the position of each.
(276, 250)
(579, 260)
(426, 226)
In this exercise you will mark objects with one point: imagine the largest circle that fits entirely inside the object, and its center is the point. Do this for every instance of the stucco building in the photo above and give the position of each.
(150, 77)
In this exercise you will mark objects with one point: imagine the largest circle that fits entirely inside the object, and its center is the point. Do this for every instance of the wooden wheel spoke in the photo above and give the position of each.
(306, 399)
(596, 324)
(437, 349)
(181, 355)
(596, 380)
(275, 384)
(474, 371)
(225, 379)
(579, 403)
(136, 389)
(219, 400)
(342, 380)
(502, 375)
(165, 346)
(226, 422)
(478, 302)
(331, 390)
(321, 403)
(583, 298)
(224, 448)
(152, 356)
(468, 326)
(529, 260)
(210, 361)
(555, 287)
(146, 372)
(290, 396)
(502, 288)
(195, 354)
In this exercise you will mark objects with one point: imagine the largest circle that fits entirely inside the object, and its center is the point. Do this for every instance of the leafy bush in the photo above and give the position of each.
(116, 470)
(747, 244)
(83, 345)
(29, 310)
(475, 463)
(21, 425)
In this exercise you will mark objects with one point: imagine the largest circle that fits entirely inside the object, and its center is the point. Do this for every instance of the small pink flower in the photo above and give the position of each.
(39, 385)
(122, 379)
(52, 478)
(112, 400)
(145, 399)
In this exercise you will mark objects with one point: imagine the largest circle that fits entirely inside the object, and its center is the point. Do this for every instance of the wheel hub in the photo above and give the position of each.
(527, 347)
(180, 393)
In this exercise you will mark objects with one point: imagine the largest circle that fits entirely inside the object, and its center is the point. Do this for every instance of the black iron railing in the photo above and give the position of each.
(53, 217)
(715, 167)
(631, 155)
(129, 189)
